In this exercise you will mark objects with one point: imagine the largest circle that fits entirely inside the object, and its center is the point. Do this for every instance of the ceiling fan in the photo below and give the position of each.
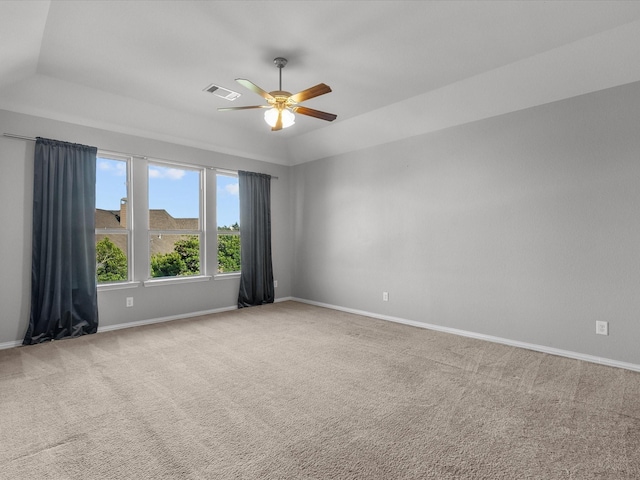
(282, 105)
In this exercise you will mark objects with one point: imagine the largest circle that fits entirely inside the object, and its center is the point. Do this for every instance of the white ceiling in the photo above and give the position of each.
(396, 68)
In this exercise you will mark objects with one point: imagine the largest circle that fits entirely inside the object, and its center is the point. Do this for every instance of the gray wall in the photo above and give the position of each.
(524, 226)
(16, 190)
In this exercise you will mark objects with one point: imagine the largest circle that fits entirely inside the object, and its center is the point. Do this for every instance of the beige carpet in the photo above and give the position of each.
(292, 391)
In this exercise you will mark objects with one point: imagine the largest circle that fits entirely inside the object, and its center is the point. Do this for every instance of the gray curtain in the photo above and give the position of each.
(256, 270)
(64, 300)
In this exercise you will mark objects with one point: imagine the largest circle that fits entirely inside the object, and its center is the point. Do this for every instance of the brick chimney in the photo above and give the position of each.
(123, 212)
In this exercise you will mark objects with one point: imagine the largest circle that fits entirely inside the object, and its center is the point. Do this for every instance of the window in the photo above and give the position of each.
(176, 233)
(168, 233)
(113, 224)
(228, 222)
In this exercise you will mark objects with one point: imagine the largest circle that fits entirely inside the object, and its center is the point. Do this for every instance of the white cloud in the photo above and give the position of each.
(232, 189)
(117, 168)
(170, 173)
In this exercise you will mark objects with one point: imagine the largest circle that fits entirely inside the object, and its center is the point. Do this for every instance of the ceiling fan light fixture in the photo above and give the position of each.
(281, 104)
(271, 117)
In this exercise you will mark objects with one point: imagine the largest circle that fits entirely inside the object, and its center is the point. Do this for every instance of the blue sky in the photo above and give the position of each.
(228, 201)
(172, 189)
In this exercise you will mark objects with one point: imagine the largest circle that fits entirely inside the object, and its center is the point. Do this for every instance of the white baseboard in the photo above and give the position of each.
(454, 331)
(480, 336)
(6, 345)
(283, 299)
(151, 321)
(176, 317)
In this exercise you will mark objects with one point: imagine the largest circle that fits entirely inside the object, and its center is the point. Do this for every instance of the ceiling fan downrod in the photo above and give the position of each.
(280, 63)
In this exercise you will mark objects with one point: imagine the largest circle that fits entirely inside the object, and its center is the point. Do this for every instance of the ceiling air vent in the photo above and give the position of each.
(222, 92)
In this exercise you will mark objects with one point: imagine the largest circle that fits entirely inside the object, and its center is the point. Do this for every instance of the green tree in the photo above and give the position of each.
(189, 250)
(111, 262)
(228, 253)
(228, 249)
(185, 258)
(167, 265)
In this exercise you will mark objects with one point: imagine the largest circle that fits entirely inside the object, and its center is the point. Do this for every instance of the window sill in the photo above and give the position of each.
(226, 276)
(117, 286)
(176, 280)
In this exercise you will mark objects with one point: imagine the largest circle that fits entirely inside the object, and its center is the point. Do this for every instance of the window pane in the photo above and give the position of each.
(112, 257)
(174, 255)
(111, 193)
(228, 221)
(112, 225)
(228, 253)
(174, 198)
(228, 201)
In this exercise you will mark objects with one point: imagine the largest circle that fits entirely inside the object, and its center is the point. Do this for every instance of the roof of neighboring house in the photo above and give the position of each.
(159, 219)
(107, 218)
(162, 220)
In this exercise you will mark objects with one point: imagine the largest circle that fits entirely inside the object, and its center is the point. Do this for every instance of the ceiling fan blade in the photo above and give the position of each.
(223, 109)
(254, 88)
(312, 92)
(278, 125)
(329, 117)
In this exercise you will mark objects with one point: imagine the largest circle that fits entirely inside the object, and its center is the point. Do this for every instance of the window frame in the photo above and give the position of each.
(200, 232)
(128, 229)
(138, 230)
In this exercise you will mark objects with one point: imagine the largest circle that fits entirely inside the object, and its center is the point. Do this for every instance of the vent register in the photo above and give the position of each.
(222, 92)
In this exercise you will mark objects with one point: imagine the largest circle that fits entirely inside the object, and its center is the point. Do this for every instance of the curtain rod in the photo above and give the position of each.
(32, 139)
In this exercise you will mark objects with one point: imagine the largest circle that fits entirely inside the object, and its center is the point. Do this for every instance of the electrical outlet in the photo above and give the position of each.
(602, 328)
(275, 284)
(129, 302)
(385, 296)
